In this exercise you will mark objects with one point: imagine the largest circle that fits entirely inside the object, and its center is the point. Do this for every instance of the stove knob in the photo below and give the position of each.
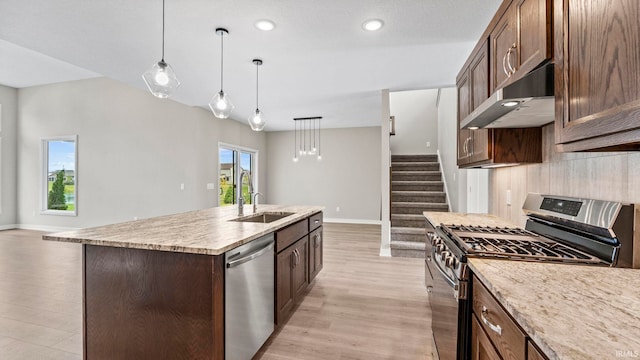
(444, 255)
(439, 248)
(436, 240)
(450, 262)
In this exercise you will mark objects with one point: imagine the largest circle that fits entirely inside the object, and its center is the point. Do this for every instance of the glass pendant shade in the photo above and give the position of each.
(161, 80)
(221, 105)
(256, 121)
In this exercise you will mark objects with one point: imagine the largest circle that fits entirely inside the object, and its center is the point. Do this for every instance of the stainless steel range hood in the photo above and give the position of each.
(528, 102)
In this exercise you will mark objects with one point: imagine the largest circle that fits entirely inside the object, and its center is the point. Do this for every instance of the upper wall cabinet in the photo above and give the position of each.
(597, 74)
(520, 41)
(517, 40)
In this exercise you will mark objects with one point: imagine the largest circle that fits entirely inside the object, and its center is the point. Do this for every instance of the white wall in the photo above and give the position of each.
(454, 178)
(134, 152)
(348, 176)
(8, 178)
(416, 122)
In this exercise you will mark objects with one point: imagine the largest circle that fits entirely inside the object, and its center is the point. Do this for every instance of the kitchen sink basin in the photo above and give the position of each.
(265, 217)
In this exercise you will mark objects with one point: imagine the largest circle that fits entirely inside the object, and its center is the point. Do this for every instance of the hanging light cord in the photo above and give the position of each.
(221, 60)
(162, 30)
(257, 69)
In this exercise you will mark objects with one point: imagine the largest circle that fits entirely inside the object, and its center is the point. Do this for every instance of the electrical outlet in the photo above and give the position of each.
(181, 186)
(135, 218)
(34, 213)
(509, 197)
(428, 144)
(454, 176)
(337, 208)
(211, 186)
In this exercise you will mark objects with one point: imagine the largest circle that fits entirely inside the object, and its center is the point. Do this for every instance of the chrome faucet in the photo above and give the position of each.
(240, 198)
(255, 201)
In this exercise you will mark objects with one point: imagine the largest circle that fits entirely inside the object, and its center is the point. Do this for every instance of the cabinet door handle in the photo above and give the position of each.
(512, 70)
(297, 259)
(471, 145)
(464, 147)
(504, 63)
(495, 328)
(317, 241)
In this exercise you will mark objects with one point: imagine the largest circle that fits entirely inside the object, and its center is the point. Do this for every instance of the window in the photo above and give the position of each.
(60, 176)
(233, 161)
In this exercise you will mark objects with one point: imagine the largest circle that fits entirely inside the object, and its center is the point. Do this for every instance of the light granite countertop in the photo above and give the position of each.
(437, 218)
(569, 311)
(206, 231)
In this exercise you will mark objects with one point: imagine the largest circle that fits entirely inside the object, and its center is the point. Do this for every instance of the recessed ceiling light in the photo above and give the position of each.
(265, 25)
(510, 103)
(372, 25)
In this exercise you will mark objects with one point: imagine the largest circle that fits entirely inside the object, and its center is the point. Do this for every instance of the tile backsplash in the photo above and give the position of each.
(608, 176)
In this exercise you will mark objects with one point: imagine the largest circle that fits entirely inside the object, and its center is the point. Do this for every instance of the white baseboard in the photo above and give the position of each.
(8, 227)
(352, 221)
(44, 228)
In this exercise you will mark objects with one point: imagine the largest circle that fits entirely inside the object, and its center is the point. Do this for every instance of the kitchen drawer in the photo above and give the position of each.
(505, 335)
(291, 234)
(315, 221)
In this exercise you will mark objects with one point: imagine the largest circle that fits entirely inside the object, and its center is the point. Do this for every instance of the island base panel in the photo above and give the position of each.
(145, 304)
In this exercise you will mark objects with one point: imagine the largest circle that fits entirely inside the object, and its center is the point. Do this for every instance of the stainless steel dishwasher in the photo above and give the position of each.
(249, 297)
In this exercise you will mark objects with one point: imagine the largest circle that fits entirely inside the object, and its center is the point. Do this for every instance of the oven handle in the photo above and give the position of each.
(451, 282)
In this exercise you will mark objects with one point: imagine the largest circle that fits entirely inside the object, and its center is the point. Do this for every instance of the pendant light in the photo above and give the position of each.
(220, 104)
(160, 78)
(307, 137)
(256, 121)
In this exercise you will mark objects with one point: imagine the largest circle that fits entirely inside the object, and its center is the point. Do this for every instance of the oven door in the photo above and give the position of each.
(449, 313)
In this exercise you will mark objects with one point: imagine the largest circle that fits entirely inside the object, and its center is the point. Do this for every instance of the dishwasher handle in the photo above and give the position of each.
(253, 255)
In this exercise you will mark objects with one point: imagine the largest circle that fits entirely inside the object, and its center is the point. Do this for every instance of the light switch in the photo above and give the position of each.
(211, 186)
(509, 197)
(181, 186)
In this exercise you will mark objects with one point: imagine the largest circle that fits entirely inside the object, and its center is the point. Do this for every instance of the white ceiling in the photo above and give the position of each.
(317, 62)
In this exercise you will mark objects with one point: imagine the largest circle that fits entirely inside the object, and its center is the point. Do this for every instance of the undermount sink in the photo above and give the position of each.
(265, 217)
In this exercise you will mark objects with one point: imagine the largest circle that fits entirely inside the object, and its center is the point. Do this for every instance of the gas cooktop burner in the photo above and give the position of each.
(512, 243)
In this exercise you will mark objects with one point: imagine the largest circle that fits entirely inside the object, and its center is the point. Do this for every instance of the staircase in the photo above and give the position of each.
(416, 186)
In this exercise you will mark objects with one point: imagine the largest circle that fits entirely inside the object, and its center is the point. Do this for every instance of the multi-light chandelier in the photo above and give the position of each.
(307, 137)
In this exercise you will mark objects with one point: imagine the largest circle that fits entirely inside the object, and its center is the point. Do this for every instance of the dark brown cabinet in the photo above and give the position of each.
(533, 353)
(315, 253)
(520, 41)
(292, 278)
(597, 74)
(473, 89)
(494, 333)
(481, 346)
(298, 260)
(503, 45)
(517, 40)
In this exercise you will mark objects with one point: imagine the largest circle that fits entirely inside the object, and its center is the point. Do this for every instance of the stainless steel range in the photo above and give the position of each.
(559, 229)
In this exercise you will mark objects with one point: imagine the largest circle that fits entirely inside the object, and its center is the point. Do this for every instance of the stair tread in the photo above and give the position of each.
(407, 245)
(417, 182)
(408, 230)
(408, 217)
(417, 163)
(417, 192)
(416, 204)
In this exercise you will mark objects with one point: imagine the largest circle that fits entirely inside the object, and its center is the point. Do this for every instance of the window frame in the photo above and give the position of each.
(44, 176)
(254, 176)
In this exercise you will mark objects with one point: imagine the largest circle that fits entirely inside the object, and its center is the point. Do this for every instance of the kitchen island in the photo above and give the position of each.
(565, 311)
(155, 288)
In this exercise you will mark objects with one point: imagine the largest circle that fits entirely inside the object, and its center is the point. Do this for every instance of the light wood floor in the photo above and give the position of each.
(361, 306)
